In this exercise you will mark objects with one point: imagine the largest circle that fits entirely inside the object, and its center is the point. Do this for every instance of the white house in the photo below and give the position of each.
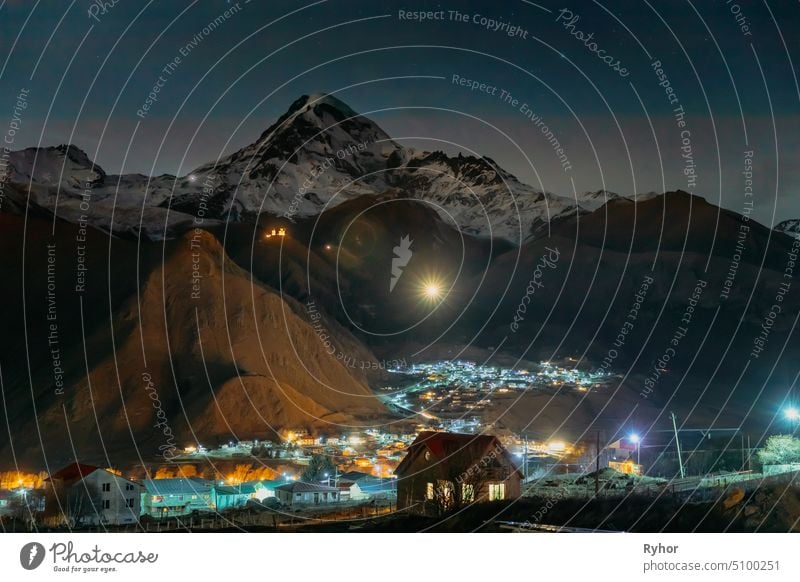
(177, 497)
(351, 491)
(89, 495)
(300, 493)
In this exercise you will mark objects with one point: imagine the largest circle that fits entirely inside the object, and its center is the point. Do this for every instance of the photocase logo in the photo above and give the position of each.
(31, 555)
(402, 254)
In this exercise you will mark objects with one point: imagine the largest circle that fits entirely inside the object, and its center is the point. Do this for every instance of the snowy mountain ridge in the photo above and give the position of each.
(316, 155)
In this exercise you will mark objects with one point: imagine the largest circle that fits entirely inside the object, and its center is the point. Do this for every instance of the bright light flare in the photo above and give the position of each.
(792, 413)
(634, 438)
(431, 290)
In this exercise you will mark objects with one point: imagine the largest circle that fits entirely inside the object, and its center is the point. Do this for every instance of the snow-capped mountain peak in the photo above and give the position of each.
(319, 153)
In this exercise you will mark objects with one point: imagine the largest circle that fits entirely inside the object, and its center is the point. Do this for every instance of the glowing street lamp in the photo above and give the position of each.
(637, 440)
(792, 413)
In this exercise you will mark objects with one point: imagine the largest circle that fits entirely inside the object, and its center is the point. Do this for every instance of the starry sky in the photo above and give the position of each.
(732, 68)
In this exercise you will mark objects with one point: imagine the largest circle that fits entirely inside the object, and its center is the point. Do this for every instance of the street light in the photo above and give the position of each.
(792, 413)
(637, 440)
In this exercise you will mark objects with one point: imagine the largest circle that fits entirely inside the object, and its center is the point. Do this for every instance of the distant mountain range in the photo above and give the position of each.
(317, 155)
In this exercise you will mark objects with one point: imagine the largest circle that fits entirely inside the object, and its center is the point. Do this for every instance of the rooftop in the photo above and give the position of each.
(445, 446)
(72, 472)
(302, 487)
(190, 486)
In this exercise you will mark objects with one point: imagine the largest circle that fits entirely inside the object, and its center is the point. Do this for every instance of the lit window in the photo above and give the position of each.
(467, 492)
(497, 491)
(429, 491)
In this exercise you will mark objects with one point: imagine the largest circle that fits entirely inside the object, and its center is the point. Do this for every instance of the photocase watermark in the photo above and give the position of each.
(523, 107)
(762, 338)
(490, 24)
(326, 164)
(32, 555)
(552, 499)
(67, 559)
(402, 255)
(741, 20)
(53, 343)
(205, 194)
(100, 8)
(547, 261)
(349, 361)
(744, 227)
(679, 114)
(627, 326)
(169, 69)
(671, 352)
(168, 448)
(20, 105)
(476, 469)
(568, 20)
(194, 254)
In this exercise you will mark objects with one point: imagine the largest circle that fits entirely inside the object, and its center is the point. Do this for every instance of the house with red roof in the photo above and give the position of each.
(87, 495)
(444, 471)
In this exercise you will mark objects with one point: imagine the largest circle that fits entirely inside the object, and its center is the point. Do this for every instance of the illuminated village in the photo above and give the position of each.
(302, 477)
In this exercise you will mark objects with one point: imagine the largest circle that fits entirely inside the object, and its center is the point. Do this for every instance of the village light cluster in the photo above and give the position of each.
(458, 388)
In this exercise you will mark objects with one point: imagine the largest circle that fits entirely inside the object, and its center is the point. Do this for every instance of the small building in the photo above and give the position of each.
(279, 232)
(307, 441)
(444, 471)
(350, 491)
(376, 488)
(6, 502)
(265, 488)
(177, 497)
(233, 496)
(301, 493)
(627, 467)
(354, 476)
(89, 495)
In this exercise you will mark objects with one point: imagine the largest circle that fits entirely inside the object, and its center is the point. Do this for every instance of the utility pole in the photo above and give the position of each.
(742, 450)
(597, 466)
(525, 462)
(678, 445)
(748, 453)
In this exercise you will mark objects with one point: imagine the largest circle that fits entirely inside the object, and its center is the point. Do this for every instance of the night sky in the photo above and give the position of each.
(89, 70)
